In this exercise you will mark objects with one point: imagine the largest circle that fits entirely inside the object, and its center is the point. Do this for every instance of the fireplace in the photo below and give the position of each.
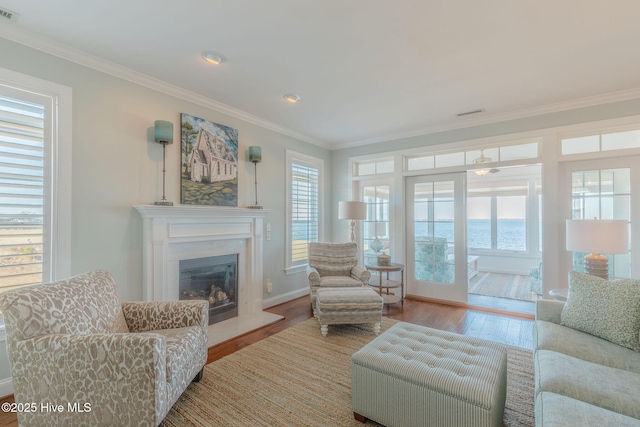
(214, 279)
(175, 234)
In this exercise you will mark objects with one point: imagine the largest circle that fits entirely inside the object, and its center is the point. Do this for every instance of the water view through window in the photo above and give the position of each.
(512, 233)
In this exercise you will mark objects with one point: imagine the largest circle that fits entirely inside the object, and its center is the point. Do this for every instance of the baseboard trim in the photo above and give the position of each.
(6, 387)
(281, 299)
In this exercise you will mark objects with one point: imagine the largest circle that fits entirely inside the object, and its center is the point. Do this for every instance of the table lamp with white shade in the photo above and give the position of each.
(353, 211)
(597, 236)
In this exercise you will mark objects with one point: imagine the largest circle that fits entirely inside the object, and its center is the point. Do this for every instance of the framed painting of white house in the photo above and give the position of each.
(209, 163)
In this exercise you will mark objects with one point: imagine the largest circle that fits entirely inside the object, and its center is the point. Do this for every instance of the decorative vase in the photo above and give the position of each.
(376, 245)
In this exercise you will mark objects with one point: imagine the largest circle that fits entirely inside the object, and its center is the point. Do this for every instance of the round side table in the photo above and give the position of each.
(385, 283)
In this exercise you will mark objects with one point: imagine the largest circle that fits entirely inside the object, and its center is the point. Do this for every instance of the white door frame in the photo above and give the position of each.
(457, 291)
(565, 170)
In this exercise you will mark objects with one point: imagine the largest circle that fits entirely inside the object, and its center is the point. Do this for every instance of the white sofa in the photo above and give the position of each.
(581, 379)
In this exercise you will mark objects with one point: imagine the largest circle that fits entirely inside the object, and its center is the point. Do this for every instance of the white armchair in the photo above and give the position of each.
(73, 343)
(334, 265)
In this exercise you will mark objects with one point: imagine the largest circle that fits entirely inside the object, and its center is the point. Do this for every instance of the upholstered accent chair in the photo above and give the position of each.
(73, 342)
(334, 265)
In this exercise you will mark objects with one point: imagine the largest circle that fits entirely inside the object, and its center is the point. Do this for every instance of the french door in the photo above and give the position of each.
(604, 189)
(436, 237)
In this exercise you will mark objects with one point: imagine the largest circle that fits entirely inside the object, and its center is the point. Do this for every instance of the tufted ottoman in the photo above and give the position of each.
(417, 376)
(337, 306)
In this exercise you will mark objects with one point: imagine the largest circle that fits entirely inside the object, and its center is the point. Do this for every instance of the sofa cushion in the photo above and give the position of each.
(554, 337)
(333, 259)
(609, 310)
(186, 353)
(608, 388)
(553, 409)
(339, 282)
(81, 305)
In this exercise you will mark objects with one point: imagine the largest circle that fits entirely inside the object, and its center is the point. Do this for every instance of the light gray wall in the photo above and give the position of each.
(116, 166)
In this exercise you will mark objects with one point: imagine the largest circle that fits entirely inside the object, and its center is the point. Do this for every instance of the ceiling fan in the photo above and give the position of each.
(481, 161)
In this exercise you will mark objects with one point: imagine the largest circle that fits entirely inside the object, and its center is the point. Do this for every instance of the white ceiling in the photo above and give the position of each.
(367, 70)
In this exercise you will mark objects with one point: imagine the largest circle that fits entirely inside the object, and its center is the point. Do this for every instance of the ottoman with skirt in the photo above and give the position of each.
(412, 375)
(338, 306)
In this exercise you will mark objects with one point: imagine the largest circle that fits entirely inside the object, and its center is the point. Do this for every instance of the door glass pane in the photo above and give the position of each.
(591, 208)
(376, 225)
(622, 181)
(433, 232)
(606, 182)
(602, 194)
(621, 207)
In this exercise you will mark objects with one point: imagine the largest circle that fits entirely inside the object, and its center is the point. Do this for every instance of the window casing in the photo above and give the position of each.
(35, 182)
(304, 217)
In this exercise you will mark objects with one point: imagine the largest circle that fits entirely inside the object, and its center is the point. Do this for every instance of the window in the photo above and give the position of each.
(376, 227)
(373, 167)
(35, 158)
(603, 142)
(602, 194)
(304, 219)
(497, 215)
(511, 227)
(514, 150)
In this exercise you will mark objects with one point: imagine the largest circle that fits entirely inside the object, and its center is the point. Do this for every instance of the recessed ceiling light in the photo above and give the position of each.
(214, 57)
(292, 97)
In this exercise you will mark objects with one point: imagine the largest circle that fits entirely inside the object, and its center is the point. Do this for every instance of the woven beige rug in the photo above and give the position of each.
(297, 378)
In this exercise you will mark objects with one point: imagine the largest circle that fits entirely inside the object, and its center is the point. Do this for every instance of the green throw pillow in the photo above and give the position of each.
(609, 310)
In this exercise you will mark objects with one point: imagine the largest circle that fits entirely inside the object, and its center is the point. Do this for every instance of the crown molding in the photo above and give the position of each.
(16, 34)
(43, 44)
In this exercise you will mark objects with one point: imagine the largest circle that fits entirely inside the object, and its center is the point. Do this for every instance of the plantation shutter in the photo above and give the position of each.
(305, 211)
(22, 178)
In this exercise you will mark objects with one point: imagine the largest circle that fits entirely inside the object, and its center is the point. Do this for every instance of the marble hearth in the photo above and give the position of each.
(175, 233)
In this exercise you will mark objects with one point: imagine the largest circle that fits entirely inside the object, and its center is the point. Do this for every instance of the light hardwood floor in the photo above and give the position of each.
(507, 329)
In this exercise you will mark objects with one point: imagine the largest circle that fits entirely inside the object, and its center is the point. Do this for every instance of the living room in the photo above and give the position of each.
(109, 162)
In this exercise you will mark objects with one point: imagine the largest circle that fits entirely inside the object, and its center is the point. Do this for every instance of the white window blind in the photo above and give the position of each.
(22, 172)
(305, 222)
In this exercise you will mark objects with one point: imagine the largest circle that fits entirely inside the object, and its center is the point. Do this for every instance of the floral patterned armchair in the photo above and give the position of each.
(73, 343)
(334, 265)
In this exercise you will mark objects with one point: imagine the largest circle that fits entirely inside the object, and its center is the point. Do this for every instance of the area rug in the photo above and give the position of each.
(298, 378)
(512, 286)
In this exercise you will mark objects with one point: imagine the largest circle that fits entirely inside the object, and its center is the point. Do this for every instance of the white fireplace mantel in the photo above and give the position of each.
(175, 233)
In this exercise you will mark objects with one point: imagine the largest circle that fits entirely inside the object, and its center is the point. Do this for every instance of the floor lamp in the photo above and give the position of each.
(597, 236)
(353, 211)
